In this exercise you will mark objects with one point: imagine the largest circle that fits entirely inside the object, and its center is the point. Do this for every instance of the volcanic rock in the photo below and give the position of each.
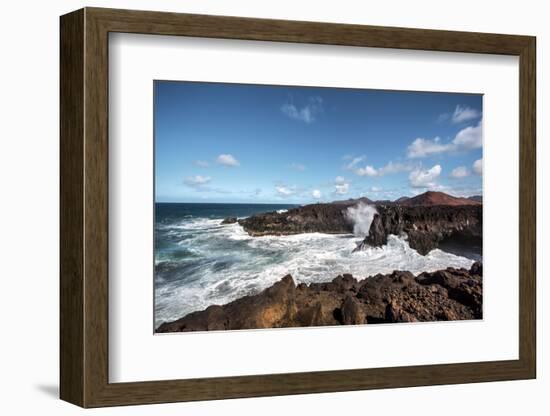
(450, 294)
(426, 227)
(314, 218)
(427, 220)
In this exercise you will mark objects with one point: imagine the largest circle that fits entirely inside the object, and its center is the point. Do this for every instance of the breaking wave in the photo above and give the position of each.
(361, 215)
(199, 262)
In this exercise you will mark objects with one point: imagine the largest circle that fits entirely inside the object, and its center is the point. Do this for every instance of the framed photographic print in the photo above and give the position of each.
(260, 207)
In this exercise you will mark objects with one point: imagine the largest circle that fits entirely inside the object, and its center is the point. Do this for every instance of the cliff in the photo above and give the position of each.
(427, 227)
(320, 218)
(429, 220)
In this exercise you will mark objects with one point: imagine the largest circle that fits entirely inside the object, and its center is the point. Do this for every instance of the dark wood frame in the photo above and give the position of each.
(84, 207)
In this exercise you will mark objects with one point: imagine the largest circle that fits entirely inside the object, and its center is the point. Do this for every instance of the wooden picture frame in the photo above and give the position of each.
(84, 207)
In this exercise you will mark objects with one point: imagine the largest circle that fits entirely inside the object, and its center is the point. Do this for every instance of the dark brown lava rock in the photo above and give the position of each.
(450, 294)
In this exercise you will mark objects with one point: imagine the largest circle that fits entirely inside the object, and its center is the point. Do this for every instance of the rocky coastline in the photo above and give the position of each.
(428, 220)
(427, 227)
(443, 295)
(327, 218)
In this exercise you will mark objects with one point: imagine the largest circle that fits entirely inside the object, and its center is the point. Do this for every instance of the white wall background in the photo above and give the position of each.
(29, 159)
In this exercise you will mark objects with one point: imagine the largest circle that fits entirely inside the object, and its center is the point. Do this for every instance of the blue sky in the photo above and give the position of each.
(240, 143)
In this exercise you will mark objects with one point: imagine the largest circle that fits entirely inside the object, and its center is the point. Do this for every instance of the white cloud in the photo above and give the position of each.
(298, 167)
(307, 113)
(341, 188)
(424, 147)
(460, 172)
(395, 168)
(353, 161)
(462, 114)
(431, 187)
(421, 178)
(458, 191)
(478, 166)
(466, 139)
(366, 171)
(202, 184)
(469, 138)
(464, 191)
(197, 180)
(284, 191)
(316, 194)
(227, 160)
(388, 169)
(375, 189)
(201, 163)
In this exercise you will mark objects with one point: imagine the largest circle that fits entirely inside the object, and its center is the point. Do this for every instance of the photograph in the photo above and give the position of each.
(280, 206)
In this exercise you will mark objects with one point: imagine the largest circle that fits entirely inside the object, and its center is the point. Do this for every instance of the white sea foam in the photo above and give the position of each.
(230, 264)
(282, 211)
(361, 215)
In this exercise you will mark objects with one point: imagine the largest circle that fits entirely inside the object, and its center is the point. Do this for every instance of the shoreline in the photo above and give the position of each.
(444, 295)
(419, 225)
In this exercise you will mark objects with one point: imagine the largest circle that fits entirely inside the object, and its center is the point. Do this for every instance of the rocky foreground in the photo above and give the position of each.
(444, 295)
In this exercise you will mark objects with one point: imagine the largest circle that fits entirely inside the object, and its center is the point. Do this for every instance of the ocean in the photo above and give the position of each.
(200, 262)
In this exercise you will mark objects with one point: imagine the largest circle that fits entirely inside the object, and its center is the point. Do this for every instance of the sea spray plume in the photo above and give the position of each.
(361, 215)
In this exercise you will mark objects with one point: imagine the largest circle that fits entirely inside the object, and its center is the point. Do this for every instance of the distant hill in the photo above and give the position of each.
(437, 198)
(384, 202)
(426, 199)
